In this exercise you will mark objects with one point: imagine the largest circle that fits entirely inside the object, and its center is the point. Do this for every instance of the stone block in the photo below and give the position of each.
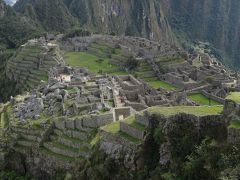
(70, 124)
(60, 124)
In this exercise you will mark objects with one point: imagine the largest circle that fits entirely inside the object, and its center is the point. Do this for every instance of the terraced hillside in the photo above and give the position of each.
(31, 63)
(102, 58)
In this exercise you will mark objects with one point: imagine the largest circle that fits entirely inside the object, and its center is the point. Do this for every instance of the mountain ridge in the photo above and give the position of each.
(211, 21)
(138, 18)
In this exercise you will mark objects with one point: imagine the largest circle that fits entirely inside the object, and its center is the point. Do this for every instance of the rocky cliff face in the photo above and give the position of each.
(2, 9)
(139, 18)
(143, 18)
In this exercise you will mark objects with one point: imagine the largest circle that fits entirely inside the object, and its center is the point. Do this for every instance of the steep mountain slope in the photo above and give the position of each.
(14, 30)
(51, 15)
(214, 21)
(139, 18)
(10, 2)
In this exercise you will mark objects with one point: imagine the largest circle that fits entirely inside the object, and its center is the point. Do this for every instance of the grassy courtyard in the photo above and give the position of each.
(234, 96)
(155, 83)
(92, 62)
(194, 110)
(202, 100)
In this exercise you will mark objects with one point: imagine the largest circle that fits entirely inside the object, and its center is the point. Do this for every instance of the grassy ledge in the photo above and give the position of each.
(202, 100)
(194, 110)
(234, 96)
(235, 124)
(155, 83)
(132, 122)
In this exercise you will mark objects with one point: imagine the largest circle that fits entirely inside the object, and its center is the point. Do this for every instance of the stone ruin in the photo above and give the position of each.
(30, 109)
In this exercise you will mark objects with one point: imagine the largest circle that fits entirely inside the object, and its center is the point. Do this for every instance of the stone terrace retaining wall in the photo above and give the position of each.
(142, 119)
(135, 105)
(131, 131)
(86, 121)
(98, 121)
(233, 136)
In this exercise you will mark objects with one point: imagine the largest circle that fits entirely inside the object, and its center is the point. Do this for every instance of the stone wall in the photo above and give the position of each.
(190, 85)
(135, 84)
(130, 95)
(230, 107)
(173, 79)
(98, 121)
(135, 105)
(93, 121)
(142, 119)
(233, 136)
(131, 131)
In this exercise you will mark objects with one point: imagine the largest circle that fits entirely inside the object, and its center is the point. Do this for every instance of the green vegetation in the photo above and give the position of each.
(5, 82)
(11, 175)
(235, 124)
(68, 148)
(155, 83)
(76, 33)
(96, 139)
(202, 100)
(158, 135)
(59, 156)
(234, 96)
(25, 67)
(91, 62)
(132, 122)
(4, 120)
(71, 90)
(194, 110)
(112, 128)
(129, 138)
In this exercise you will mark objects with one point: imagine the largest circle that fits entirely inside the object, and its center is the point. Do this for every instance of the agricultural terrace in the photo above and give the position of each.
(202, 100)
